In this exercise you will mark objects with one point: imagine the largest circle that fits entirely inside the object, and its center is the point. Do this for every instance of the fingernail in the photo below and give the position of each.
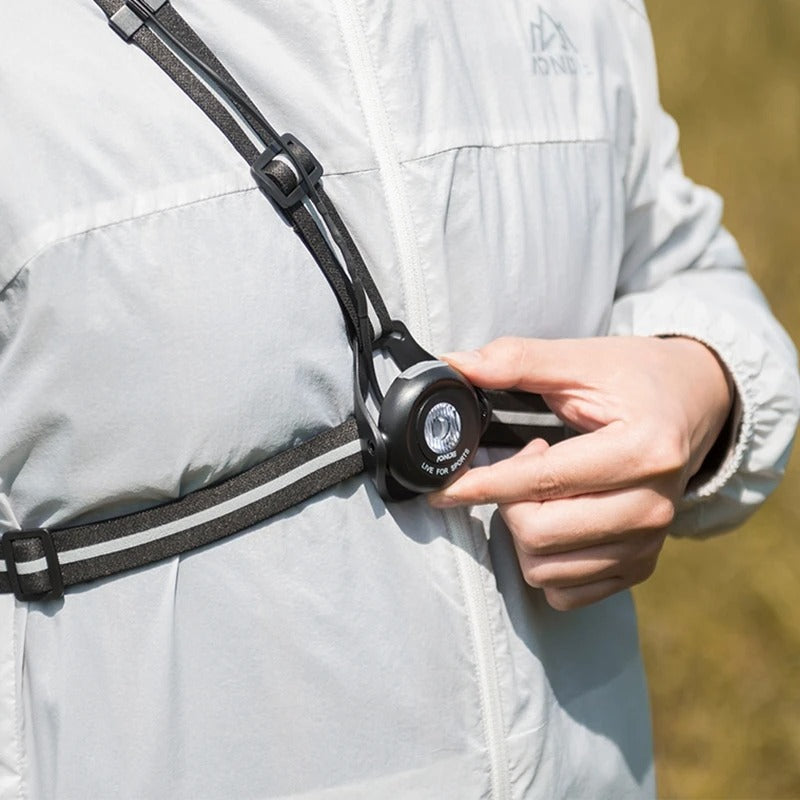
(465, 357)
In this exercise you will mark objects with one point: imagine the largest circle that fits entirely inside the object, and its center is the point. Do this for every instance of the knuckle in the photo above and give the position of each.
(546, 484)
(536, 574)
(474, 488)
(561, 599)
(531, 579)
(481, 497)
(521, 520)
(662, 513)
(667, 453)
(530, 541)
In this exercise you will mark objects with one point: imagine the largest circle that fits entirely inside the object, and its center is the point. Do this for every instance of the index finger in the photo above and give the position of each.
(531, 365)
(606, 459)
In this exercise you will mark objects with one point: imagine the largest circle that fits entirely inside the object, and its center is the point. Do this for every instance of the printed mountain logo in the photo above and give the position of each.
(554, 53)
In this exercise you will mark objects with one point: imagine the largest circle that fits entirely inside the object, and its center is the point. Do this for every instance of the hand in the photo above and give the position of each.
(589, 515)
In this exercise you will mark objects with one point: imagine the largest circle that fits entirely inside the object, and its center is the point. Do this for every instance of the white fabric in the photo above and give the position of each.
(161, 328)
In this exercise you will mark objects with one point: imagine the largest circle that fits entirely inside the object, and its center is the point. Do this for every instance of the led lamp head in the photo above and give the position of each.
(431, 422)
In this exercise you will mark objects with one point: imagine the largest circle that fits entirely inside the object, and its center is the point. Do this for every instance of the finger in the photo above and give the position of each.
(532, 365)
(630, 561)
(609, 458)
(570, 598)
(535, 447)
(574, 568)
(563, 526)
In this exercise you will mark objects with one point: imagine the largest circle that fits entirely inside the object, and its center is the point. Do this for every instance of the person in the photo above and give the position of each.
(516, 189)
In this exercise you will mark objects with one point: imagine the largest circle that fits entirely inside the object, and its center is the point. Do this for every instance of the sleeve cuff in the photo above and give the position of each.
(765, 412)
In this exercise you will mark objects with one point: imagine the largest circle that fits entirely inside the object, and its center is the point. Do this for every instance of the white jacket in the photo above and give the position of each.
(506, 169)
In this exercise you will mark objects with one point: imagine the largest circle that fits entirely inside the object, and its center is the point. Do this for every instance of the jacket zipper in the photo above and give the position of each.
(380, 135)
(417, 317)
(471, 574)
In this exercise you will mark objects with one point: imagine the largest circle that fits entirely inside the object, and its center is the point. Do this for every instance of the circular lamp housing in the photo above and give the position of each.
(431, 421)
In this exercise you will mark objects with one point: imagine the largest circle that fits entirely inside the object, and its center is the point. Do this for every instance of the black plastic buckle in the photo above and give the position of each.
(131, 15)
(300, 153)
(44, 536)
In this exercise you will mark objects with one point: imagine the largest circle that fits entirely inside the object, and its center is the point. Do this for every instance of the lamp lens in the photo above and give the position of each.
(442, 428)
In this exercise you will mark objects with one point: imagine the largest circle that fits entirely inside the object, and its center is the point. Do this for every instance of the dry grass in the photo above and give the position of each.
(720, 620)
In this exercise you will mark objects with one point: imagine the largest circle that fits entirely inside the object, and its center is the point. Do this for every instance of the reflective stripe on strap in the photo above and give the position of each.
(519, 417)
(88, 552)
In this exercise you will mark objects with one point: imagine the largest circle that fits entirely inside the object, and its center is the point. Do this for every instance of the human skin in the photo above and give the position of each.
(589, 515)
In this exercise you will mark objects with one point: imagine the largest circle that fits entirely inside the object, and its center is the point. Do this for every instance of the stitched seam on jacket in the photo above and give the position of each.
(110, 224)
(503, 146)
(232, 192)
(163, 209)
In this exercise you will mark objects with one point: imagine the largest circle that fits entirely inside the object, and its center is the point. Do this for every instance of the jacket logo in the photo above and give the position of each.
(554, 52)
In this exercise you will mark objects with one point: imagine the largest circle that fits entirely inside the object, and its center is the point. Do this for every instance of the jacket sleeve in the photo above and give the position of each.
(683, 274)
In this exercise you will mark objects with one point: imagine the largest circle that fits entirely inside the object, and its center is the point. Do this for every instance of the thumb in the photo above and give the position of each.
(530, 365)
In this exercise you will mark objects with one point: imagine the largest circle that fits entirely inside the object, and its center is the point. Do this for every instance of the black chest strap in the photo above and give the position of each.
(39, 564)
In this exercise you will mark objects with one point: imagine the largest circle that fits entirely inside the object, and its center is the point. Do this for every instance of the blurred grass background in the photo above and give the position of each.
(720, 620)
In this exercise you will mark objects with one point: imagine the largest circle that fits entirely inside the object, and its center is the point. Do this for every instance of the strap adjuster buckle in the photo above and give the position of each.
(278, 180)
(48, 546)
(131, 15)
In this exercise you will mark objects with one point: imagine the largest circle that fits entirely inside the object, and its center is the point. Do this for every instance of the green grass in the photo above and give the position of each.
(720, 620)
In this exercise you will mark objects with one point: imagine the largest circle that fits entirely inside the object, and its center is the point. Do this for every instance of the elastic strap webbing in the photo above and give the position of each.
(100, 549)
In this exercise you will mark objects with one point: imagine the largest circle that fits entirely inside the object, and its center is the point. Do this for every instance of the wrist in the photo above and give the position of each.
(709, 395)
